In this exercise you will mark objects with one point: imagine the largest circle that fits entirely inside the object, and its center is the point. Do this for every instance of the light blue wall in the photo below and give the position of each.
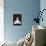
(25, 7)
(43, 6)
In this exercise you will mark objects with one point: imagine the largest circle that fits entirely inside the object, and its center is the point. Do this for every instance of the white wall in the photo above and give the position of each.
(1, 20)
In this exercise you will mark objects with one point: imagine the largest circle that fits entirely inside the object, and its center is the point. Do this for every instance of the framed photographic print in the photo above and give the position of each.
(17, 19)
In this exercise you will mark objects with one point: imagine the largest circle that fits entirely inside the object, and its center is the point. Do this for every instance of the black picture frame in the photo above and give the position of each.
(17, 19)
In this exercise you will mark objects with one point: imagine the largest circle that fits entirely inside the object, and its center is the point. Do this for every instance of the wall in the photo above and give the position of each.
(43, 6)
(1, 20)
(25, 7)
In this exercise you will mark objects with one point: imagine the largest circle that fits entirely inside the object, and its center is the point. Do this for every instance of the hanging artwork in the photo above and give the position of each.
(17, 19)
